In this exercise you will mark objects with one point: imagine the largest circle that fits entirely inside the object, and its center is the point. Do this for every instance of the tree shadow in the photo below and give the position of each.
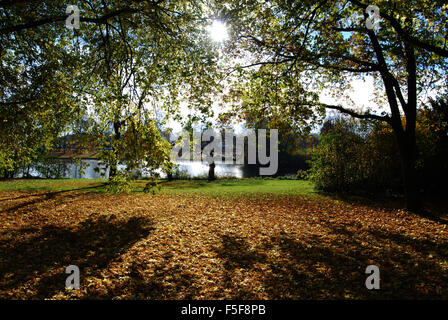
(434, 208)
(420, 245)
(236, 253)
(91, 245)
(440, 217)
(42, 197)
(156, 286)
(371, 201)
(28, 195)
(309, 270)
(415, 264)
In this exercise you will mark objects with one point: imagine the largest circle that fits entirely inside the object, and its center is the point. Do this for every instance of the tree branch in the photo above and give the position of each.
(52, 19)
(357, 115)
(389, 82)
(406, 36)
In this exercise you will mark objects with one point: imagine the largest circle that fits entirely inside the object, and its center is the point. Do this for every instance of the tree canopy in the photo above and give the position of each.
(127, 58)
(290, 51)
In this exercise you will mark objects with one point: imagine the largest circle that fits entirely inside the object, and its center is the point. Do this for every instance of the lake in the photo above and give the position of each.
(186, 169)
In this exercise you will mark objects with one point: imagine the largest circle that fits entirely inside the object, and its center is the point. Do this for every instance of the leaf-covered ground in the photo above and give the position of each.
(195, 246)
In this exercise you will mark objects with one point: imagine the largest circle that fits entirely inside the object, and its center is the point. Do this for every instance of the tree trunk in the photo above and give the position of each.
(405, 136)
(410, 182)
(409, 149)
(408, 154)
(211, 172)
(114, 162)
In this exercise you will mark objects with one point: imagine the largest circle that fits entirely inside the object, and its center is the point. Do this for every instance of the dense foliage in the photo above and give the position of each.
(357, 156)
(354, 156)
(127, 60)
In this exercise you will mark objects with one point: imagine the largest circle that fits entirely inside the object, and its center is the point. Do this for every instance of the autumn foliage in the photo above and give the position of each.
(194, 246)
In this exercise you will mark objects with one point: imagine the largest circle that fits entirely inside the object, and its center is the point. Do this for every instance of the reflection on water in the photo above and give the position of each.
(199, 169)
(185, 169)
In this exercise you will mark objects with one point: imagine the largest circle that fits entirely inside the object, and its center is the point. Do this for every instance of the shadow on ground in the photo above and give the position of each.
(91, 245)
(312, 270)
(285, 265)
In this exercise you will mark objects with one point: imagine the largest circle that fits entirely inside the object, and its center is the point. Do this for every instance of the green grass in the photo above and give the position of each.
(243, 186)
(52, 184)
(226, 187)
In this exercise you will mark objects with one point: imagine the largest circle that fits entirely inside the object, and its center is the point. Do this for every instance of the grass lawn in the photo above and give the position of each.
(249, 239)
(52, 184)
(230, 187)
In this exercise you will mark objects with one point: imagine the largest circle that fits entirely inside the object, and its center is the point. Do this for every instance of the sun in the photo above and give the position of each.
(218, 31)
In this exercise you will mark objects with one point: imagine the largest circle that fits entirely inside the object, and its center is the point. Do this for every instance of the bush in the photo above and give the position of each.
(50, 167)
(120, 183)
(181, 174)
(302, 174)
(356, 156)
(152, 186)
(359, 156)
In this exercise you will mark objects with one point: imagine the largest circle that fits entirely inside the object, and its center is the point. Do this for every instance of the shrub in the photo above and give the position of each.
(152, 186)
(180, 174)
(120, 183)
(355, 156)
(360, 156)
(302, 174)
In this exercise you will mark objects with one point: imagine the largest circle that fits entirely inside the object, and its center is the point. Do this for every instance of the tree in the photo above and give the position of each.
(38, 86)
(295, 49)
(125, 56)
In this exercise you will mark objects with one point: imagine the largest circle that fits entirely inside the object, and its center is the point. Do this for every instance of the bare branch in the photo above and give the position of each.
(358, 115)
